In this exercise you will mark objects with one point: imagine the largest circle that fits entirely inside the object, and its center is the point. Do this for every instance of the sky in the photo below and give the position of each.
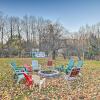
(70, 13)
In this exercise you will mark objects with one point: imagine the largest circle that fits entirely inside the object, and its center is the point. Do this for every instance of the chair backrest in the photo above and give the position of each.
(74, 72)
(35, 64)
(80, 64)
(13, 64)
(26, 66)
(70, 64)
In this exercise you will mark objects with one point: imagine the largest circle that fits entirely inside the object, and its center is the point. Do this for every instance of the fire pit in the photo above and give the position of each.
(48, 73)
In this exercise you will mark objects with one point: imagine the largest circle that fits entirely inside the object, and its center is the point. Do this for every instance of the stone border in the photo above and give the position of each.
(56, 73)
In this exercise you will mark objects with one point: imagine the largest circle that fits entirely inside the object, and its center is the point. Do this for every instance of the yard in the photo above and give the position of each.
(56, 88)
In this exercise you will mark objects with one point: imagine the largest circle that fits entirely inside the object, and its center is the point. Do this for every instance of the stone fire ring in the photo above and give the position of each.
(54, 74)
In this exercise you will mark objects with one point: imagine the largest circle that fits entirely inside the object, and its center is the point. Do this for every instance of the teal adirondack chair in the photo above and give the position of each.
(60, 68)
(18, 72)
(19, 76)
(69, 66)
(79, 64)
(15, 67)
(35, 65)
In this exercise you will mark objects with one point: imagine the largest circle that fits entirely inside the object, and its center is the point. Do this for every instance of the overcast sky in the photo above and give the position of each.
(71, 13)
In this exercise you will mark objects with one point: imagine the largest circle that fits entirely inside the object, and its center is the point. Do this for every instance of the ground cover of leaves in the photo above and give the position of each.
(88, 87)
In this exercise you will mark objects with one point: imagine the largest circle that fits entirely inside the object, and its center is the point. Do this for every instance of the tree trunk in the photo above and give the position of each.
(53, 54)
(64, 55)
(19, 36)
(2, 38)
(2, 42)
(11, 31)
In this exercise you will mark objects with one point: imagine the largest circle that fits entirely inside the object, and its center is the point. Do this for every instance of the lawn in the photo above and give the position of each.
(56, 88)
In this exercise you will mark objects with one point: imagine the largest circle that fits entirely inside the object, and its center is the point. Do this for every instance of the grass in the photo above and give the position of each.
(56, 88)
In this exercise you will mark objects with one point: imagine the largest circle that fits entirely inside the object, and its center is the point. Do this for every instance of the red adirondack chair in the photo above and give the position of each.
(28, 67)
(35, 79)
(29, 81)
(73, 75)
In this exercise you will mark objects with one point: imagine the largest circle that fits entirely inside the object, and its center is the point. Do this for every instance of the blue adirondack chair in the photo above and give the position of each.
(35, 65)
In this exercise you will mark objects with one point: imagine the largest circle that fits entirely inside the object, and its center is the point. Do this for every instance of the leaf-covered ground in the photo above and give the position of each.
(88, 87)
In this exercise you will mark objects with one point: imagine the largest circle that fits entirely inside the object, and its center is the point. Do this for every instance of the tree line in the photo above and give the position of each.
(20, 35)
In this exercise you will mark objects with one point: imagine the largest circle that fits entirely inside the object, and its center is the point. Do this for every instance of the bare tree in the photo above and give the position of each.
(50, 39)
(25, 22)
(19, 30)
(33, 31)
(2, 29)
